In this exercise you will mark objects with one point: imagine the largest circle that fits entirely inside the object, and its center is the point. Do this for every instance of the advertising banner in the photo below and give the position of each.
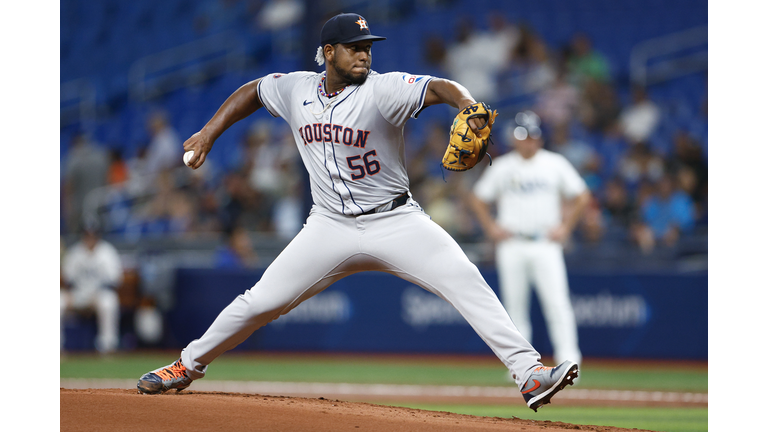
(618, 315)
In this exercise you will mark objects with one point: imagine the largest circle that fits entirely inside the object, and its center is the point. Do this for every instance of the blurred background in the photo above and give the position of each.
(621, 88)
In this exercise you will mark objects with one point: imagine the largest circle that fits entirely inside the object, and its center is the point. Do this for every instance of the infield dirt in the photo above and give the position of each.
(118, 410)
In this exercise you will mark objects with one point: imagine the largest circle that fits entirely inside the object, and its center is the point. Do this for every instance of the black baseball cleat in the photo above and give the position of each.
(546, 381)
(173, 376)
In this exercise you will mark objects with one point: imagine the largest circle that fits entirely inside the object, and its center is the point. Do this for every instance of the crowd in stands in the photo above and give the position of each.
(642, 195)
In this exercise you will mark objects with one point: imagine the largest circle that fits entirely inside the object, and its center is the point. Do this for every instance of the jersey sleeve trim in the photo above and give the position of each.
(258, 93)
(421, 106)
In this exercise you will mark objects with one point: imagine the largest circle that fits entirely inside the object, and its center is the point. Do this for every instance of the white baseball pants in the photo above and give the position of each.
(521, 263)
(403, 242)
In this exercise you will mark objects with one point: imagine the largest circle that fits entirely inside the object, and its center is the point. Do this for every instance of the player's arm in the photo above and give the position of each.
(239, 105)
(449, 92)
(482, 210)
(576, 208)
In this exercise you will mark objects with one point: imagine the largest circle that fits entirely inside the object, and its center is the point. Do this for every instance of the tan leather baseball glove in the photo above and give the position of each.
(465, 149)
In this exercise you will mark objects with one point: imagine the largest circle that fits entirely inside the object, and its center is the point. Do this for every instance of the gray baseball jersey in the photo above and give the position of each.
(352, 145)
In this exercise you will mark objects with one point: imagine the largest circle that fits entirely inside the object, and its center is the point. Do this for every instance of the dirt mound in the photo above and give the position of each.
(118, 410)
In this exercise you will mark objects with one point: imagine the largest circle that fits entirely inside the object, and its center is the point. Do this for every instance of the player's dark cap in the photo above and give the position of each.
(346, 28)
(527, 124)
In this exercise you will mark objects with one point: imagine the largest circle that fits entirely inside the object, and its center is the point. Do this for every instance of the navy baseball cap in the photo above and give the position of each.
(346, 28)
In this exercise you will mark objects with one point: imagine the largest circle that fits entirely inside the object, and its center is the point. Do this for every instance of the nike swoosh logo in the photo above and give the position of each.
(538, 384)
(307, 102)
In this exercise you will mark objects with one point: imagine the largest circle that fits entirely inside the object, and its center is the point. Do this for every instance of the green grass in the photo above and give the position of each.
(437, 371)
(369, 370)
(655, 419)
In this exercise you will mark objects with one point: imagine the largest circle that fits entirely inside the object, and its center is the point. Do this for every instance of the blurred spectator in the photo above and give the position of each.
(688, 153)
(280, 14)
(118, 169)
(502, 38)
(639, 231)
(169, 211)
(584, 64)
(206, 205)
(640, 119)
(424, 165)
(443, 203)
(612, 147)
(273, 172)
(618, 208)
(599, 107)
(92, 273)
(668, 213)
(434, 53)
(237, 250)
(468, 61)
(241, 205)
(288, 213)
(128, 297)
(439, 192)
(580, 154)
(592, 226)
(687, 162)
(181, 213)
(592, 173)
(639, 164)
(138, 171)
(165, 148)
(141, 323)
(557, 103)
(85, 169)
(686, 178)
(264, 154)
(530, 64)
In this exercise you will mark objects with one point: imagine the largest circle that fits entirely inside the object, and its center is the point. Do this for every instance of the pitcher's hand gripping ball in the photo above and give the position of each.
(465, 149)
(188, 156)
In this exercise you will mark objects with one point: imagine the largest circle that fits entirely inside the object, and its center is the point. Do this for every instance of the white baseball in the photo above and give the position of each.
(187, 156)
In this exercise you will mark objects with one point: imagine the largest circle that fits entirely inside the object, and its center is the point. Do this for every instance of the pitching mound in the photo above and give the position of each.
(118, 410)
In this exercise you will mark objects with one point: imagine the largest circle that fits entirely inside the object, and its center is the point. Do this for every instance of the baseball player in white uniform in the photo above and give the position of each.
(91, 272)
(348, 126)
(527, 186)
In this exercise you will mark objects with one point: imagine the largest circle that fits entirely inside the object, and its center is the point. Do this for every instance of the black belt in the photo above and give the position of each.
(397, 202)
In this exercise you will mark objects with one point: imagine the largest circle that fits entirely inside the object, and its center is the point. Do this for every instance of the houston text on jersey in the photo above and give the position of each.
(333, 133)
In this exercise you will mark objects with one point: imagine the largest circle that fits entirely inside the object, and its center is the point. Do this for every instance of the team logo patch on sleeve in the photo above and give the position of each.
(410, 79)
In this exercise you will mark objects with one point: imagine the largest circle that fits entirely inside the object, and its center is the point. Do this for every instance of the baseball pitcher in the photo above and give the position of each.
(348, 126)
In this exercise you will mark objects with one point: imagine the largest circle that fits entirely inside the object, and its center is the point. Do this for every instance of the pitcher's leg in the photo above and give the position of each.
(552, 287)
(418, 250)
(316, 258)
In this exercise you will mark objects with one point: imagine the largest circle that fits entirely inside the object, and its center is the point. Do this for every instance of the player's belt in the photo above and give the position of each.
(395, 203)
(526, 236)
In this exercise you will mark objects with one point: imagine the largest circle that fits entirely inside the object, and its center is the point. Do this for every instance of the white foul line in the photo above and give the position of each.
(398, 390)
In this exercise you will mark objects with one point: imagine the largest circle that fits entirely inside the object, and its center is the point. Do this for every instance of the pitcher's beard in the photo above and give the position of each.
(348, 77)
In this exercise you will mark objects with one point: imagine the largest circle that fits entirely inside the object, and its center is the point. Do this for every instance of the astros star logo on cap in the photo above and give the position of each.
(363, 23)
